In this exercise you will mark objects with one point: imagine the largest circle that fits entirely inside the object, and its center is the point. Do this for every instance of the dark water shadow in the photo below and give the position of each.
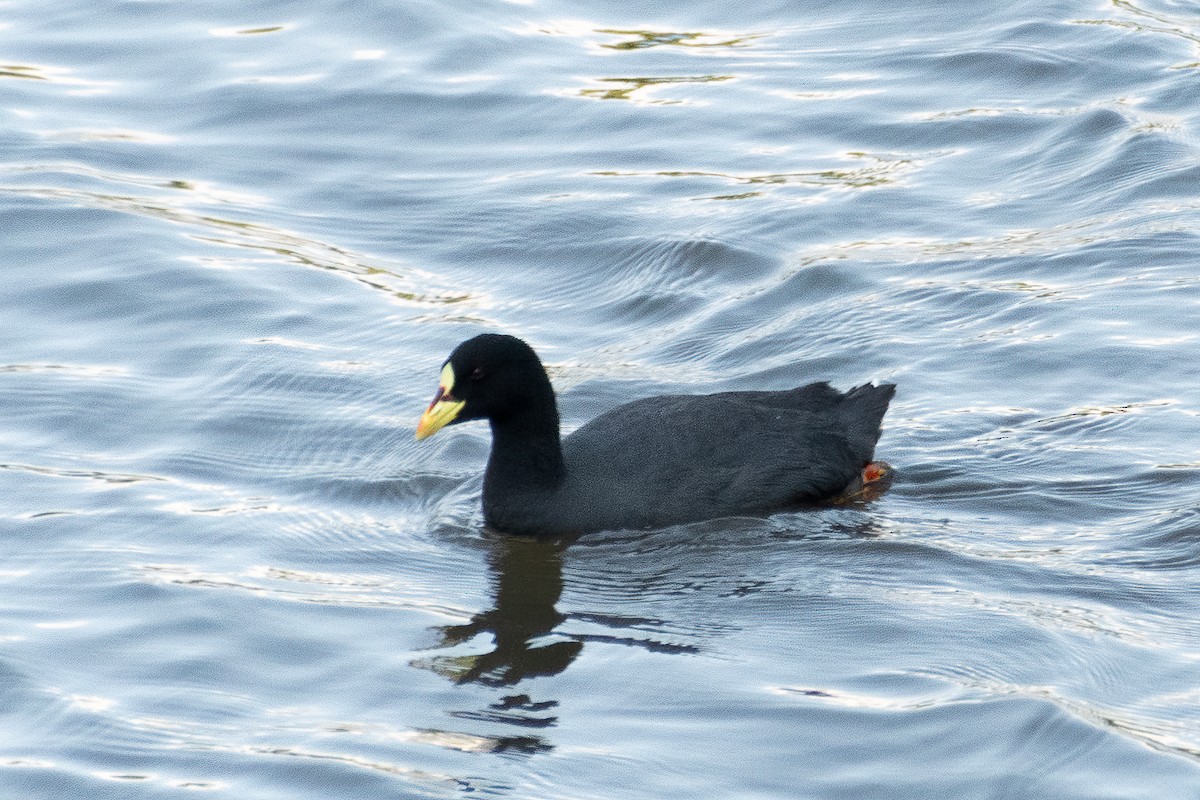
(524, 621)
(530, 638)
(526, 627)
(527, 582)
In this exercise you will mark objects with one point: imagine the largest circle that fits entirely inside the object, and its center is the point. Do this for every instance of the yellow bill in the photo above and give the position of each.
(444, 408)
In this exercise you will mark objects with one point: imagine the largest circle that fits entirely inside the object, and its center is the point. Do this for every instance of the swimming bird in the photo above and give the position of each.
(656, 461)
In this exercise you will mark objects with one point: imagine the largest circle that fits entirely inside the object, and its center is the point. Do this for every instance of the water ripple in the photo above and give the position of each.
(240, 245)
(271, 243)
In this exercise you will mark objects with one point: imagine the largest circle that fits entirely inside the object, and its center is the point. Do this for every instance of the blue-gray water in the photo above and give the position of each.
(237, 242)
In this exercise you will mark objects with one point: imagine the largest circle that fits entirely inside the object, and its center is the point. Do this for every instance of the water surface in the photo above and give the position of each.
(238, 243)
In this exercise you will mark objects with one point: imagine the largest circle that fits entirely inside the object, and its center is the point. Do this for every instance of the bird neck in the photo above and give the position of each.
(526, 450)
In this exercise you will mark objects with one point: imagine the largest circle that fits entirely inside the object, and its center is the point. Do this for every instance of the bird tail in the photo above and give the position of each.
(861, 412)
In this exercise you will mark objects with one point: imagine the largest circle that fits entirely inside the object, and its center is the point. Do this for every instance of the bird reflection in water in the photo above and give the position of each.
(527, 582)
(526, 641)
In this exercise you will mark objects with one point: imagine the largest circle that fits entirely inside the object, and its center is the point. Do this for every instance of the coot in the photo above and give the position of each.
(656, 461)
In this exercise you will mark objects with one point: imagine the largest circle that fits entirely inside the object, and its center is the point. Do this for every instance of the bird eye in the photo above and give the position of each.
(477, 374)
